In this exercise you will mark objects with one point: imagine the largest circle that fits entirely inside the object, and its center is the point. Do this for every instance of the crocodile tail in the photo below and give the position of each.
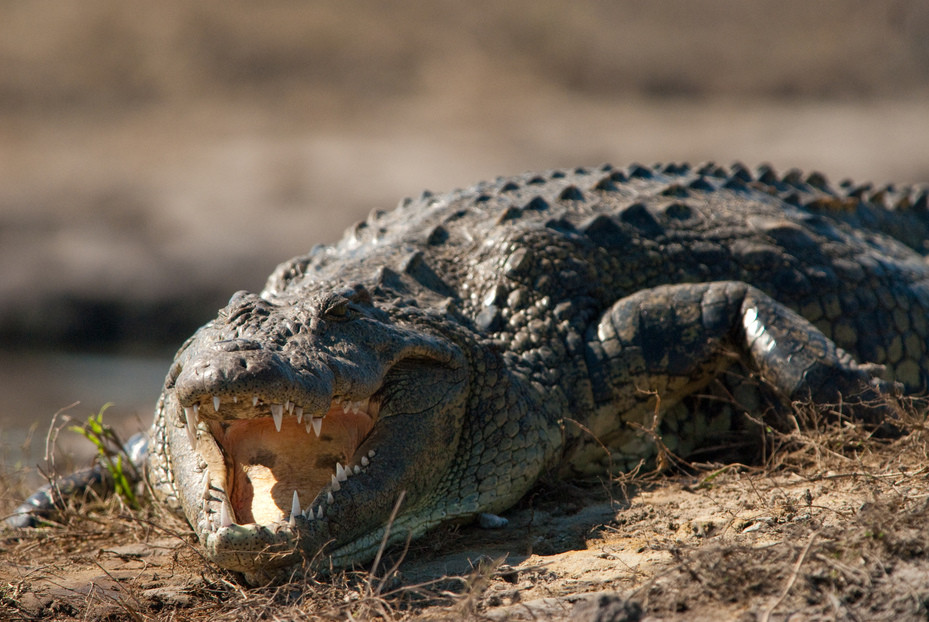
(48, 501)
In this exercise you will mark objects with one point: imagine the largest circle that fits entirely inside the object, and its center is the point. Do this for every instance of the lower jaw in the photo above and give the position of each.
(254, 550)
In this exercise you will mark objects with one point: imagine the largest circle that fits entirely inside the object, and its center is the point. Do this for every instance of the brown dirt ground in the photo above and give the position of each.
(831, 526)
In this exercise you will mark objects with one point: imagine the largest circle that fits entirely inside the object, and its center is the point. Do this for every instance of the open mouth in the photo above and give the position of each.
(274, 461)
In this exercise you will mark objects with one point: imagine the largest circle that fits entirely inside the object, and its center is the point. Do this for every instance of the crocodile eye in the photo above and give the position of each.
(337, 309)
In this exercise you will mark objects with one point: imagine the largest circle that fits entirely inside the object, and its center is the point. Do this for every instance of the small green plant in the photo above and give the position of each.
(110, 452)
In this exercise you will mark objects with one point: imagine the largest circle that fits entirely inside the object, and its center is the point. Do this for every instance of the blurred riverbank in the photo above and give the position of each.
(155, 158)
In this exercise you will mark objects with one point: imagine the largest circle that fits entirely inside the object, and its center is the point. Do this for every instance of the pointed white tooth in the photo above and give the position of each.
(329, 498)
(371, 453)
(319, 512)
(277, 412)
(197, 413)
(299, 413)
(356, 469)
(216, 403)
(336, 486)
(364, 461)
(317, 423)
(289, 406)
(255, 401)
(191, 426)
(224, 519)
(309, 514)
(235, 399)
(309, 425)
(294, 508)
(340, 473)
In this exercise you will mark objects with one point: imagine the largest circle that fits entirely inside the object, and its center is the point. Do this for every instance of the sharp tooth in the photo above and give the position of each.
(224, 519)
(340, 473)
(191, 425)
(317, 423)
(356, 469)
(309, 514)
(371, 453)
(319, 512)
(364, 461)
(329, 498)
(299, 413)
(255, 401)
(216, 403)
(289, 406)
(336, 486)
(235, 399)
(294, 508)
(277, 412)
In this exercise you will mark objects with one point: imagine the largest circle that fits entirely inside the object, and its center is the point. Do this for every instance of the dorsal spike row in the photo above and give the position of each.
(675, 190)
(571, 193)
(675, 169)
(818, 181)
(606, 185)
(639, 171)
(740, 172)
(700, 183)
(766, 174)
(711, 169)
(793, 177)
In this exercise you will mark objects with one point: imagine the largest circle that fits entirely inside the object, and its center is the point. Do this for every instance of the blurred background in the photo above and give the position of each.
(157, 156)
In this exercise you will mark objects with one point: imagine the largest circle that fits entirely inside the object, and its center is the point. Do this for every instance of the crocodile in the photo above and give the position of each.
(445, 355)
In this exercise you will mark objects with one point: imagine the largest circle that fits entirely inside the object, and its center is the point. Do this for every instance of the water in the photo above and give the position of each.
(36, 386)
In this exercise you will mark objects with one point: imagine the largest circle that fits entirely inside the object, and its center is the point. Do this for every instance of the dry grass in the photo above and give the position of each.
(832, 526)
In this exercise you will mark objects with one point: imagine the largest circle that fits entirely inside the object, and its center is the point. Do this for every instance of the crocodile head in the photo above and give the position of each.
(293, 425)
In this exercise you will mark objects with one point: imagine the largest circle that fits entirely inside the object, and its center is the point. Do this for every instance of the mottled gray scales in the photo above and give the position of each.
(453, 350)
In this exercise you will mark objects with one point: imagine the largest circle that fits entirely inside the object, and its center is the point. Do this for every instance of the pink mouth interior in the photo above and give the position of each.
(264, 467)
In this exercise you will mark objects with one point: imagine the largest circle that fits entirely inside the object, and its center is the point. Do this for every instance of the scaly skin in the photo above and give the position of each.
(452, 351)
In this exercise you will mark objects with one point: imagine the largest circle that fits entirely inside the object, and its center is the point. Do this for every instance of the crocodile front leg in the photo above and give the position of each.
(671, 341)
